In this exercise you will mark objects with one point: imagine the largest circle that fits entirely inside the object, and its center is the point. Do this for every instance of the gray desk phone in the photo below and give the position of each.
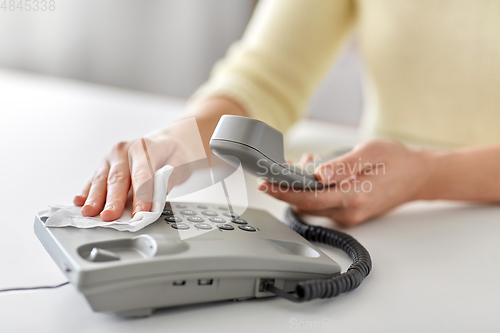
(240, 257)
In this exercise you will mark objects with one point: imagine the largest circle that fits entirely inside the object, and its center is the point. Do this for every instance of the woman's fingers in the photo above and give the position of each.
(97, 193)
(305, 158)
(143, 186)
(142, 174)
(366, 156)
(108, 190)
(118, 183)
(310, 200)
(79, 200)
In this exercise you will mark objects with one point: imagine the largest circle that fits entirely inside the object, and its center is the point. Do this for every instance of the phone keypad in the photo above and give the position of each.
(192, 213)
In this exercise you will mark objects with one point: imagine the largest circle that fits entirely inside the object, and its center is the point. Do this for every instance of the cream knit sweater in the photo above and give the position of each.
(432, 66)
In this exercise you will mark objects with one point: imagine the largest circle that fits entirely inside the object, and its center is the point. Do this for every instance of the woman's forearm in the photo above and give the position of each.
(471, 174)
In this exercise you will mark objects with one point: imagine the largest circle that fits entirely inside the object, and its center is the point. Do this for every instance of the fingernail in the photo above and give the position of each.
(348, 179)
(85, 211)
(262, 186)
(137, 208)
(108, 207)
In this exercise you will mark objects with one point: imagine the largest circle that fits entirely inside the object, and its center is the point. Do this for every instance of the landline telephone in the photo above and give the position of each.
(241, 257)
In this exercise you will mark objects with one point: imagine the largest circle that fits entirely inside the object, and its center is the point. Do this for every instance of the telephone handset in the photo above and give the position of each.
(205, 252)
(259, 149)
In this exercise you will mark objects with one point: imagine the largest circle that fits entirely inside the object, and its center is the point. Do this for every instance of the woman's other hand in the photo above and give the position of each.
(369, 181)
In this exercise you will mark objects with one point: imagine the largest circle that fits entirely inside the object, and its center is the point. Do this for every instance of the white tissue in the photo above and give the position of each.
(70, 216)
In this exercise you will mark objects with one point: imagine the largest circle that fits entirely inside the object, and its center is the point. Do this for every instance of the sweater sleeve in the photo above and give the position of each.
(282, 57)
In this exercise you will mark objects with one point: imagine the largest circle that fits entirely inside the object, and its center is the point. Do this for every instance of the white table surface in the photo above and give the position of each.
(436, 265)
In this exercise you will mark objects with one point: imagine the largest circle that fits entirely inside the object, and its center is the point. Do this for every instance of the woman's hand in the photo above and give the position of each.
(369, 181)
(132, 165)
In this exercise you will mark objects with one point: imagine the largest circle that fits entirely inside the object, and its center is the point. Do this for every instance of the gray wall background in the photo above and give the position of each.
(160, 46)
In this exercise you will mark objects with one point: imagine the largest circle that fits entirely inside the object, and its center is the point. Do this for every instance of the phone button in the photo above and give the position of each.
(247, 228)
(209, 213)
(217, 220)
(196, 219)
(225, 227)
(188, 212)
(173, 219)
(234, 216)
(181, 206)
(168, 212)
(239, 221)
(180, 226)
(203, 226)
(202, 207)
